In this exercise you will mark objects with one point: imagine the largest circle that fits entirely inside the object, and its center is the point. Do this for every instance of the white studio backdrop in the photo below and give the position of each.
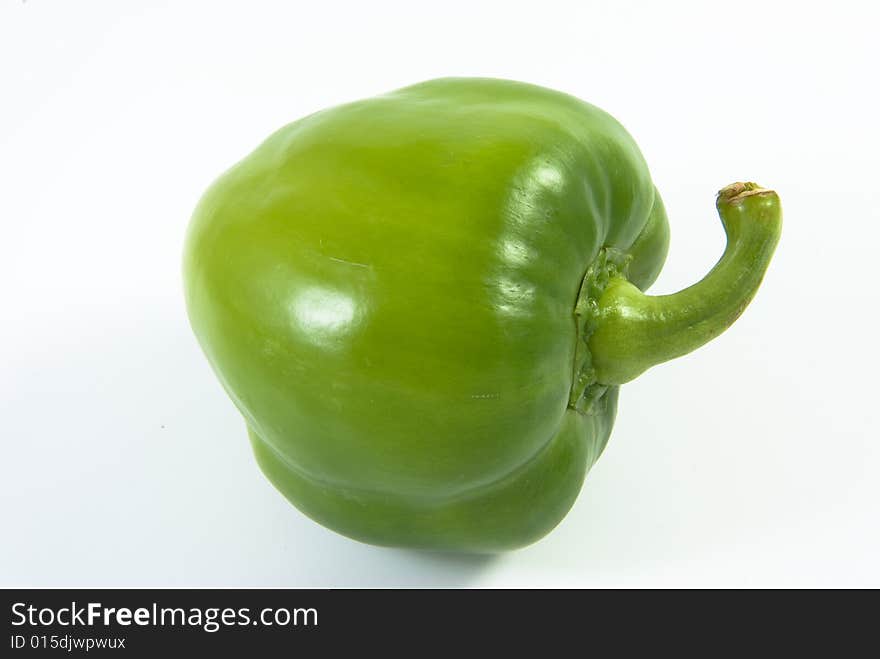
(752, 462)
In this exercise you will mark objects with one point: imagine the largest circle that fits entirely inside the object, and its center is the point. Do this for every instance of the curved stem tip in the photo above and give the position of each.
(635, 331)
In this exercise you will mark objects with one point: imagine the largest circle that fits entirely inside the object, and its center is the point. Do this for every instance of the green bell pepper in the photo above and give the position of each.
(424, 303)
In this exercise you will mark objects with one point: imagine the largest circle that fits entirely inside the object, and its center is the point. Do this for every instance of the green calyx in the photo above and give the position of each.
(622, 332)
(609, 264)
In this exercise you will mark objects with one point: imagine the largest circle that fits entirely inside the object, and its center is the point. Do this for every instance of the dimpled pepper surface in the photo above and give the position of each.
(424, 303)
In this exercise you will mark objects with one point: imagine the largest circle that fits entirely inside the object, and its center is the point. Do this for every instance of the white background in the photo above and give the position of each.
(753, 462)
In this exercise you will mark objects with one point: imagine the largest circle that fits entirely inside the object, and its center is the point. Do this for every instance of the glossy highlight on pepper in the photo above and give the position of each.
(424, 303)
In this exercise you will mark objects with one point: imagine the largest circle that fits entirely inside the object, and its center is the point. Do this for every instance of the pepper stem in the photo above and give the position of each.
(635, 331)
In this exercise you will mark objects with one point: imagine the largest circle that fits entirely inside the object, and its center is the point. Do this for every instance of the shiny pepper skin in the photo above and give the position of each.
(424, 303)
